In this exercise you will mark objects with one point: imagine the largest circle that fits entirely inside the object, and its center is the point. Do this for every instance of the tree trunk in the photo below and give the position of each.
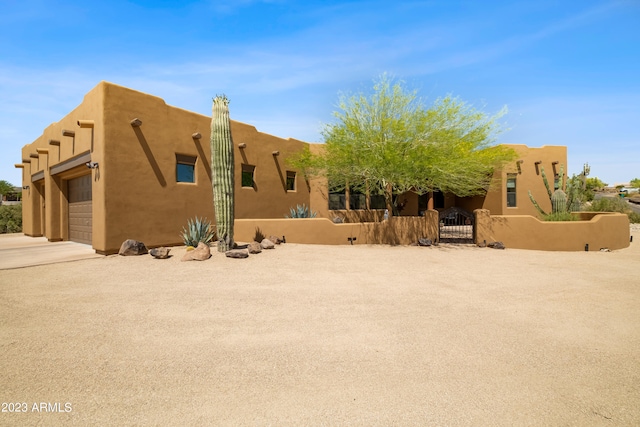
(222, 168)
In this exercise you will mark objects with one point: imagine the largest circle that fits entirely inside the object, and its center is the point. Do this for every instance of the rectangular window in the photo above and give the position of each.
(357, 201)
(185, 168)
(248, 172)
(376, 201)
(291, 181)
(438, 199)
(511, 191)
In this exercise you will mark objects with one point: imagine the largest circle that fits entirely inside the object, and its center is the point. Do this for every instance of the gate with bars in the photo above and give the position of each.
(456, 226)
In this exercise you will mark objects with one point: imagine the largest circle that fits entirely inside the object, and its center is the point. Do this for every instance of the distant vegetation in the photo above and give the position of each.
(614, 204)
(10, 219)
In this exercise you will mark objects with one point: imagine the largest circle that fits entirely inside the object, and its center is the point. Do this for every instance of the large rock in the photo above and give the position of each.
(496, 245)
(275, 239)
(132, 247)
(267, 244)
(237, 253)
(200, 253)
(425, 242)
(254, 248)
(160, 253)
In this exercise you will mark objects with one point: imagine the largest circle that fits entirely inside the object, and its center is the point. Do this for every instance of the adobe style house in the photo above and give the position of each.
(125, 165)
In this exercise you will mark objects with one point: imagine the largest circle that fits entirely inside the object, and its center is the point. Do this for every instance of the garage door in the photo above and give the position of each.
(80, 216)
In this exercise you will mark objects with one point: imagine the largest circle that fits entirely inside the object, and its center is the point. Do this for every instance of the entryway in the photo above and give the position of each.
(456, 226)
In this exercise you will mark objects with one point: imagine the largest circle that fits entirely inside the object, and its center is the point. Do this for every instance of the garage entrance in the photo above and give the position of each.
(80, 209)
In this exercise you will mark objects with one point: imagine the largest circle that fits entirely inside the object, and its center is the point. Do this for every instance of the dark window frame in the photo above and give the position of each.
(186, 168)
(248, 174)
(511, 191)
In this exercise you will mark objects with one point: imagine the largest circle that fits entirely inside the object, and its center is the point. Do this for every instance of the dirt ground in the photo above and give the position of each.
(325, 336)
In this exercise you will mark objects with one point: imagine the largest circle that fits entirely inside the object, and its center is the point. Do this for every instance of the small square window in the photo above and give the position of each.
(291, 181)
(248, 172)
(185, 168)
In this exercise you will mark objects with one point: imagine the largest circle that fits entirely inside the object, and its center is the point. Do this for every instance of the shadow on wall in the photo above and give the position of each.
(152, 160)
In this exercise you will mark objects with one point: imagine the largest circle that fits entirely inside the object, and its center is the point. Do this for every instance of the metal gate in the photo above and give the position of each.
(456, 226)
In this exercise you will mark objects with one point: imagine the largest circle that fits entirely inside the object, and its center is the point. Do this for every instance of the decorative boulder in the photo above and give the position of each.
(267, 244)
(237, 253)
(200, 253)
(132, 247)
(254, 248)
(275, 239)
(425, 242)
(496, 245)
(160, 253)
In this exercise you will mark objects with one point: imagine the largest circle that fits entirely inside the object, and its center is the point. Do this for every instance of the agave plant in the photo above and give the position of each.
(198, 230)
(301, 211)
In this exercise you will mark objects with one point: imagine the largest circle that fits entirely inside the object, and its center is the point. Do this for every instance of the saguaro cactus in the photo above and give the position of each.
(222, 170)
(559, 201)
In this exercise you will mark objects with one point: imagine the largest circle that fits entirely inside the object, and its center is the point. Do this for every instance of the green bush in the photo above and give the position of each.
(634, 218)
(10, 219)
(559, 216)
(609, 204)
(198, 230)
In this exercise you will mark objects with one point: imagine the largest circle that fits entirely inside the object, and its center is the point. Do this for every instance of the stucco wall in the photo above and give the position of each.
(144, 200)
(395, 231)
(528, 177)
(45, 201)
(602, 230)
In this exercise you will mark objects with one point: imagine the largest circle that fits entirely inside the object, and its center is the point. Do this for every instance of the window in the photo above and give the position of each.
(185, 168)
(357, 200)
(438, 199)
(376, 201)
(511, 191)
(291, 181)
(248, 172)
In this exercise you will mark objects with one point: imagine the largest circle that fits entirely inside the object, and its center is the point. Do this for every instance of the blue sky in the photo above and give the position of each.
(568, 71)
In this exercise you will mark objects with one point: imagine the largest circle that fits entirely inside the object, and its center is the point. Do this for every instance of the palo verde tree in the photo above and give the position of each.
(388, 143)
(222, 170)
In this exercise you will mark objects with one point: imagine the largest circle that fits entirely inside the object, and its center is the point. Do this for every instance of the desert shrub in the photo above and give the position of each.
(559, 216)
(634, 218)
(609, 204)
(10, 219)
(198, 230)
(301, 211)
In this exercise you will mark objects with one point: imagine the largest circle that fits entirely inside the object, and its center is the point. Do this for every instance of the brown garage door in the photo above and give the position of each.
(80, 216)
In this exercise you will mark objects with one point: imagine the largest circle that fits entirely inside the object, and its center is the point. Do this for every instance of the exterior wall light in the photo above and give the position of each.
(196, 135)
(242, 145)
(92, 165)
(136, 122)
(276, 153)
(25, 187)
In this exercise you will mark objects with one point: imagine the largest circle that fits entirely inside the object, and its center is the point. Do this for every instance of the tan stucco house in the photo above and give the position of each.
(125, 165)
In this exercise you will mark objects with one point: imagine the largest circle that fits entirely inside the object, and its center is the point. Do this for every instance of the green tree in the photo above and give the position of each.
(635, 183)
(595, 184)
(6, 188)
(388, 143)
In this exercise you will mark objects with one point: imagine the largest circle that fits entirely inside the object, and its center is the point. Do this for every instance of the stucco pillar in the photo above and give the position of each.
(482, 230)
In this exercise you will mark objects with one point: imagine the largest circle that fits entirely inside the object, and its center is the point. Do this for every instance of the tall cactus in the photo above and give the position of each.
(222, 168)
